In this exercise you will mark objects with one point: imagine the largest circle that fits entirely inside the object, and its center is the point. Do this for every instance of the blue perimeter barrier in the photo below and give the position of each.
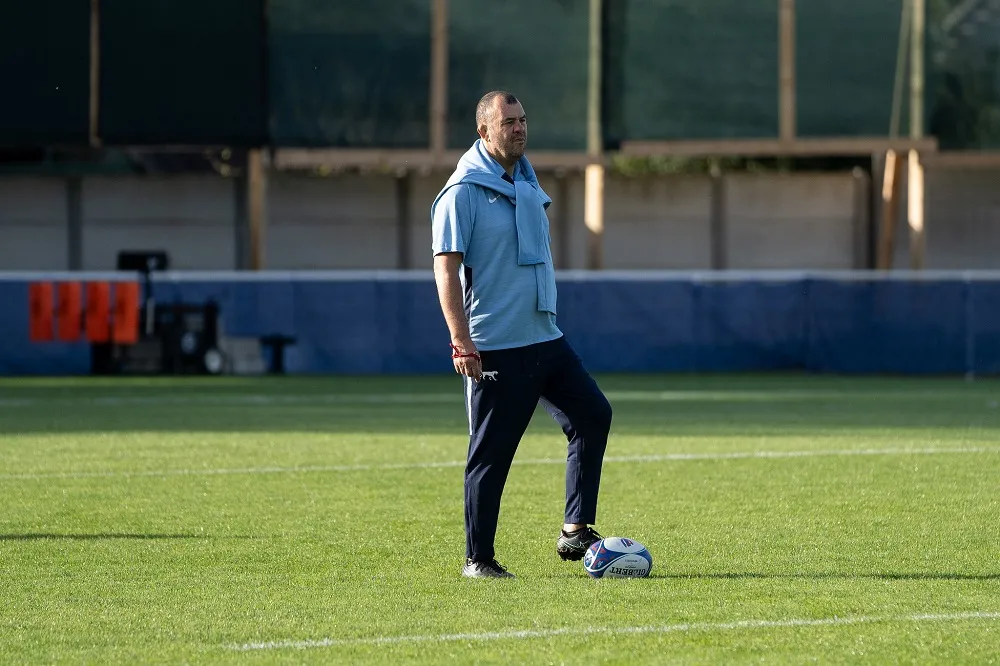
(390, 322)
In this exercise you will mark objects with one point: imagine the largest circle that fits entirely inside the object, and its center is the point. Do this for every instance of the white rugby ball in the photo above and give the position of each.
(617, 557)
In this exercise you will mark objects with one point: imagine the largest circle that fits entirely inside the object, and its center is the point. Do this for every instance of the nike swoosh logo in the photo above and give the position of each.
(494, 198)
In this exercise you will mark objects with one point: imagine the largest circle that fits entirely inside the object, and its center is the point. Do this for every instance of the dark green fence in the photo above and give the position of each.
(327, 73)
(183, 72)
(845, 66)
(687, 69)
(537, 49)
(349, 74)
(44, 73)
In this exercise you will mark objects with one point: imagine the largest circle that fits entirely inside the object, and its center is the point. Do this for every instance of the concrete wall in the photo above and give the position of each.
(189, 217)
(33, 226)
(962, 229)
(795, 221)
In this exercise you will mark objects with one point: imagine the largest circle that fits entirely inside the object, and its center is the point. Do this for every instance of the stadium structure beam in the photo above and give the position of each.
(420, 160)
(800, 147)
(426, 160)
(963, 159)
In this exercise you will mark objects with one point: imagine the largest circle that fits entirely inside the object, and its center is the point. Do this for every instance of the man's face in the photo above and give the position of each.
(507, 133)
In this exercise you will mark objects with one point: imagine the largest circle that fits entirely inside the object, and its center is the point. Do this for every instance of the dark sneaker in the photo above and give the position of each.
(485, 569)
(574, 545)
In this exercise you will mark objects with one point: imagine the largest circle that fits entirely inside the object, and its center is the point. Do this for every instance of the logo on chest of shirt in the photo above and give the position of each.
(493, 199)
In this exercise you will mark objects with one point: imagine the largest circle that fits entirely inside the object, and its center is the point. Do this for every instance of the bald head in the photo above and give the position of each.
(487, 107)
(502, 126)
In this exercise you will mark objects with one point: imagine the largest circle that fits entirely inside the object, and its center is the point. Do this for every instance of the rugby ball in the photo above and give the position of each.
(617, 557)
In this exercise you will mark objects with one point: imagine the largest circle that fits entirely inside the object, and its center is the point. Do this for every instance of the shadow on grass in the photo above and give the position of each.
(826, 576)
(43, 536)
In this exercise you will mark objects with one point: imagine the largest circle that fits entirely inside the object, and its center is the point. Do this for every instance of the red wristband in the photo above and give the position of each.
(456, 353)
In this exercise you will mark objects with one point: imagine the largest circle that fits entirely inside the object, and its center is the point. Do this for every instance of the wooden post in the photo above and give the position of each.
(241, 221)
(718, 238)
(915, 197)
(74, 222)
(862, 218)
(892, 175)
(404, 230)
(593, 211)
(563, 231)
(257, 207)
(786, 70)
(95, 73)
(892, 172)
(439, 77)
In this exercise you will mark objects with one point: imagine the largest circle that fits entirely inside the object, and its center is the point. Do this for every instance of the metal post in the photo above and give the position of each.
(594, 181)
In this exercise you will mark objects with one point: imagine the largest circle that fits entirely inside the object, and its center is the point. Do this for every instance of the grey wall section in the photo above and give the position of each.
(651, 222)
(33, 224)
(790, 222)
(962, 229)
(341, 222)
(190, 217)
(964, 219)
(800, 221)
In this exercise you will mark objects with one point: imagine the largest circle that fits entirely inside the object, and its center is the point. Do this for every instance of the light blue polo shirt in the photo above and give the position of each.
(501, 297)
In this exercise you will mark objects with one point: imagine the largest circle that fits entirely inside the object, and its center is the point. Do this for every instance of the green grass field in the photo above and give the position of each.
(319, 520)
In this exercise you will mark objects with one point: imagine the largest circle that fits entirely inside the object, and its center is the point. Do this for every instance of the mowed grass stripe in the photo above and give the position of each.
(589, 631)
(817, 499)
(666, 457)
(277, 399)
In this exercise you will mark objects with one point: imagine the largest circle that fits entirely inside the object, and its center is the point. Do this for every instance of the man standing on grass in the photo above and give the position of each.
(496, 285)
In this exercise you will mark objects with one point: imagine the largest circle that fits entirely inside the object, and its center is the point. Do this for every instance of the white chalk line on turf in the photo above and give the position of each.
(587, 631)
(664, 457)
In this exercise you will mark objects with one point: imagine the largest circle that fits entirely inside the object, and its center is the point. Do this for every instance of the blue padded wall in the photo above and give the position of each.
(388, 323)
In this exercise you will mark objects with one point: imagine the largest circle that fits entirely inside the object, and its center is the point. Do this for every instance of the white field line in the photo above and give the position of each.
(616, 631)
(664, 457)
(258, 399)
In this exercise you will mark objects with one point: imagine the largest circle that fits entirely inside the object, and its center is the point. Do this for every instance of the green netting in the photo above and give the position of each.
(536, 49)
(845, 66)
(349, 74)
(182, 72)
(45, 69)
(963, 70)
(687, 69)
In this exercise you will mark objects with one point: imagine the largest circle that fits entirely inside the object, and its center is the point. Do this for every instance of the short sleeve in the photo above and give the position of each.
(451, 222)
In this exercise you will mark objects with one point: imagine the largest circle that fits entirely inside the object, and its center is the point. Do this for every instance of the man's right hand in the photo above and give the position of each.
(466, 364)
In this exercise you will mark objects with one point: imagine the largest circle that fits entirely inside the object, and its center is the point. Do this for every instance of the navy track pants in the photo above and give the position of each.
(501, 405)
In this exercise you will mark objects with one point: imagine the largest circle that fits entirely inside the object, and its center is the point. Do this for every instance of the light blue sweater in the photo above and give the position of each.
(503, 233)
